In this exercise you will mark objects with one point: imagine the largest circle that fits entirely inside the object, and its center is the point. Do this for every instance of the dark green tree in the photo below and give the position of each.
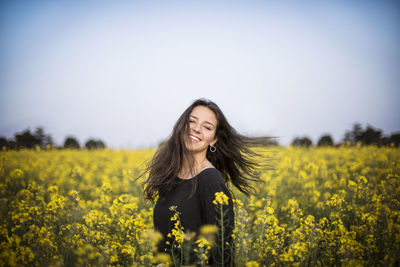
(305, 142)
(95, 144)
(392, 139)
(370, 136)
(3, 143)
(325, 140)
(12, 145)
(26, 139)
(353, 136)
(71, 142)
(395, 139)
(43, 139)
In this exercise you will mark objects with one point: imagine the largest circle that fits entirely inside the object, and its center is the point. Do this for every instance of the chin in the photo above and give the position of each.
(194, 149)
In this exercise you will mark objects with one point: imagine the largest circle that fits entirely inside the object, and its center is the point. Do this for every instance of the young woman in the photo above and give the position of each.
(200, 158)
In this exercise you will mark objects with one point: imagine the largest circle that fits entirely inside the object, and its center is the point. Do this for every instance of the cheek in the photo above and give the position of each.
(210, 137)
(188, 129)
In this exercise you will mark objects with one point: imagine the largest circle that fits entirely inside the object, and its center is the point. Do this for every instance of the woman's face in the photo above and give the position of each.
(203, 125)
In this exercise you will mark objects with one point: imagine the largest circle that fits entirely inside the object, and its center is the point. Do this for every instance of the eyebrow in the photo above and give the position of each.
(204, 121)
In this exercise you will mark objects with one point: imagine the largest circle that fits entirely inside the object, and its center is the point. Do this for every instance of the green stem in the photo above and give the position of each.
(261, 245)
(202, 260)
(222, 235)
(172, 252)
(181, 256)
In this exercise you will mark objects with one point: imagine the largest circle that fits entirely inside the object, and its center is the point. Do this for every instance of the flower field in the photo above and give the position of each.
(319, 206)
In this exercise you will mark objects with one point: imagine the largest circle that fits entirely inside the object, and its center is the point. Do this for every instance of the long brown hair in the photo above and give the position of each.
(234, 157)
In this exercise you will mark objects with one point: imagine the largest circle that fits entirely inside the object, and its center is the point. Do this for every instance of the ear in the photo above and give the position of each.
(215, 140)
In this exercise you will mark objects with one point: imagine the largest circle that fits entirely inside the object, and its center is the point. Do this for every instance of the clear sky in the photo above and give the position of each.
(124, 71)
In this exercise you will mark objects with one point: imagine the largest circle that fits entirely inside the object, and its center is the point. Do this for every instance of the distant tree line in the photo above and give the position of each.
(28, 140)
(368, 136)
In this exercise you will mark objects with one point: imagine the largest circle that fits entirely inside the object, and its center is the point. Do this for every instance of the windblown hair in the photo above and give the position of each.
(234, 157)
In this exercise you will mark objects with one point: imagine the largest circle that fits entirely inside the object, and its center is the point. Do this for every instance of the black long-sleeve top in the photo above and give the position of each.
(197, 211)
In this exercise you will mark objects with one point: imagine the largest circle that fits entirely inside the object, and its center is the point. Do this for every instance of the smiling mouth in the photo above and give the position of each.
(194, 138)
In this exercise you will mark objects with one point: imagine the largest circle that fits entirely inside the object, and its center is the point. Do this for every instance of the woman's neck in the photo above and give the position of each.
(200, 163)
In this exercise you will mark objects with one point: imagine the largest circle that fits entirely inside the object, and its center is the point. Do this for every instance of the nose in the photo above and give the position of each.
(196, 128)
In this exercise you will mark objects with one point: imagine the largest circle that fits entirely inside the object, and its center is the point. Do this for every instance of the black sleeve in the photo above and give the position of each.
(211, 214)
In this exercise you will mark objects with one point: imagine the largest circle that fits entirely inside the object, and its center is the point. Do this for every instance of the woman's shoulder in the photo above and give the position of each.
(210, 175)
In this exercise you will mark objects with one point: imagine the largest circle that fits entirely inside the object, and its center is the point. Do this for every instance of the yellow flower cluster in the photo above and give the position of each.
(74, 208)
(319, 207)
(220, 199)
(177, 233)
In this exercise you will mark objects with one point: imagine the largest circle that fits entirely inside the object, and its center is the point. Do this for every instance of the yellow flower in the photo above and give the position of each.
(348, 194)
(172, 208)
(270, 210)
(363, 179)
(202, 242)
(220, 199)
(208, 229)
(252, 264)
(163, 258)
(238, 202)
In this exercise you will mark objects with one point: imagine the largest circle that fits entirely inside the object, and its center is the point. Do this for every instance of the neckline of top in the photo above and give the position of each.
(188, 179)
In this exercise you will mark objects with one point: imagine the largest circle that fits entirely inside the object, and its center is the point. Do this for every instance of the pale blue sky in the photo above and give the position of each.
(123, 71)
